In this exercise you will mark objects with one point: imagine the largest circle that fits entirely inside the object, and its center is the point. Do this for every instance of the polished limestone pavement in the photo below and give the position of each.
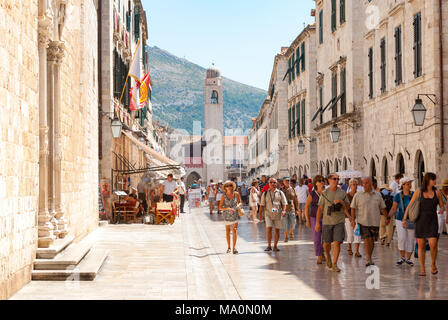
(188, 260)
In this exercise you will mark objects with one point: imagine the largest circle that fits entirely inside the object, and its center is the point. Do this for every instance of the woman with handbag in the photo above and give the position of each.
(426, 222)
(406, 236)
(230, 205)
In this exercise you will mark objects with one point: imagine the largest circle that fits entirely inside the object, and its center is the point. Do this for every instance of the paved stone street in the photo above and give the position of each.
(188, 260)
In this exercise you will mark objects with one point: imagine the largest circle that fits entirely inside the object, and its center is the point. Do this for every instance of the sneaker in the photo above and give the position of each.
(401, 261)
(409, 262)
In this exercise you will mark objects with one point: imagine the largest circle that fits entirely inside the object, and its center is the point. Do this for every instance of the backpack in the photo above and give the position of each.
(388, 200)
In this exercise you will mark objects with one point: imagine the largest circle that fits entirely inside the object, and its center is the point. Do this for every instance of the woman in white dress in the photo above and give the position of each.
(228, 205)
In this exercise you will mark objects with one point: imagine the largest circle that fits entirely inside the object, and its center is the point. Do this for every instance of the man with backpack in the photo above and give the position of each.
(386, 223)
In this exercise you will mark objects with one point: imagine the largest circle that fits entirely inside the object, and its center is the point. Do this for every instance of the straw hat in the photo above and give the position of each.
(229, 182)
(385, 186)
(405, 180)
(443, 184)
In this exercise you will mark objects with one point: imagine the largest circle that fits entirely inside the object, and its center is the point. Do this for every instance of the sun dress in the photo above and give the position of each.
(230, 217)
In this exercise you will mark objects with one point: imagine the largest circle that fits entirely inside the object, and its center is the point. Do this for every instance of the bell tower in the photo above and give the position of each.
(213, 126)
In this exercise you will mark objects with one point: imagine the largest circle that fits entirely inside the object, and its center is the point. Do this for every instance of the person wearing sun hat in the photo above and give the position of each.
(442, 215)
(229, 206)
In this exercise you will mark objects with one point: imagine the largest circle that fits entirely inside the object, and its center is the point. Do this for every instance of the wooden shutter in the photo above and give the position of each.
(289, 123)
(321, 96)
(293, 59)
(136, 22)
(371, 73)
(303, 56)
(417, 45)
(289, 70)
(334, 93)
(321, 25)
(303, 117)
(342, 11)
(298, 61)
(333, 15)
(293, 124)
(344, 95)
(398, 56)
(383, 65)
(298, 117)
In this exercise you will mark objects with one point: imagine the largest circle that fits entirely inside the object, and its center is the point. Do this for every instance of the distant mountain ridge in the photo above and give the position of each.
(178, 94)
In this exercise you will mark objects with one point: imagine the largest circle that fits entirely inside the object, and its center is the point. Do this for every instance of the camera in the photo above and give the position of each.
(334, 208)
(274, 210)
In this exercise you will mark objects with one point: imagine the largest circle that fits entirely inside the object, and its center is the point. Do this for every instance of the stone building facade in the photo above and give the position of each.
(302, 102)
(267, 139)
(49, 126)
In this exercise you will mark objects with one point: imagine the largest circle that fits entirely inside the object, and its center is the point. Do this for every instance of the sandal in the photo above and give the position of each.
(276, 249)
(422, 274)
(358, 255)
(228, 250)
(435, 271)
(350, 252)
(235, 251)
(267, 249)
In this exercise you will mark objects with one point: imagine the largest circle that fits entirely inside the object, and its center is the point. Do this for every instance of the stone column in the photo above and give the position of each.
(61, 222)
(51, 57)
(45, 227)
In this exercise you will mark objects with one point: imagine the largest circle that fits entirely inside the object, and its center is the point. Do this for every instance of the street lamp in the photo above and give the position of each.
(301, 147)
(335, 132)
(419, 113)
(116, 127)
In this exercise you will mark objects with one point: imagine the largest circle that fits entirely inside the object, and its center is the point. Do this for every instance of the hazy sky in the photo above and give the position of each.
(241, 37)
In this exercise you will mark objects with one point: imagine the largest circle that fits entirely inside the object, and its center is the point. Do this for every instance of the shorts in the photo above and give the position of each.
(277, 224)
(301, 206)
(333, 233)
(212, 200)
(289, 221)
(369, 232)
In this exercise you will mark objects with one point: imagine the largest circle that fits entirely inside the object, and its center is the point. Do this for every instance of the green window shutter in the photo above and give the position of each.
(321, 102)
(298, 117)
(289, 70)
(293, 59)
(321, 26)
(303, 56)
(293, 124)
(334, 91)
(371, 73)
(343, 87)
(298, 61)
(303, 117)
(333, 15)
(383, 64)
(417, 45)
(136, 23)
(289, 123)
(398, 56)
(342, 11)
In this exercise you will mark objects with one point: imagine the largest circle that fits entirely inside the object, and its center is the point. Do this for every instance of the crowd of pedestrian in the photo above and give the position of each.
(353, 211)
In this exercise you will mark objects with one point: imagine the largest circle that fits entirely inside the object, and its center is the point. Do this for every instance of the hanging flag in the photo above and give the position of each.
(136, 66)
(144, 90)
(133, 96)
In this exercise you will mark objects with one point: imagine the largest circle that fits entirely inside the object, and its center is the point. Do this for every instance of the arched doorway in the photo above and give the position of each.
(305, 170)
(321, 169)
(328, 168)
(336, 165)
(192, 178)
(400, 164)
(344, 164)
(385, 167)
(420, 167)
(300, 172)
(372, 169)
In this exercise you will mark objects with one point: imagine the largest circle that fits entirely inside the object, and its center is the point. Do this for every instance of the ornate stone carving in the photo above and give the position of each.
(53, 50)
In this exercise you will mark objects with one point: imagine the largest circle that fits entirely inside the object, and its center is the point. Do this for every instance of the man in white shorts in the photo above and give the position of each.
(273, 204)
(302, 196)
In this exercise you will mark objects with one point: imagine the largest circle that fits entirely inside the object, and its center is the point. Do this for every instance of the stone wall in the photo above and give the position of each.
(19, 147)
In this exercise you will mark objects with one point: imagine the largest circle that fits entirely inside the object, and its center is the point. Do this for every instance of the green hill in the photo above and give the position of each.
(178, 94)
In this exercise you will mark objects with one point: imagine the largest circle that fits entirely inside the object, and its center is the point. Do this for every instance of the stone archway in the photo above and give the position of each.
(400, 167)
(328, 169)
(419, 168)
(192, 178)
(344, 164)
(385, 170)
(372, 169)
(336, 165)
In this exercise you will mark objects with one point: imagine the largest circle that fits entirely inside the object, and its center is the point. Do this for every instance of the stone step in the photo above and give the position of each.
(54, 249)
(85, 271)
(67, 259)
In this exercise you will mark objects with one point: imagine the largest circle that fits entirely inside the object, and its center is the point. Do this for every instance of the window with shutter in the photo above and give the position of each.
(298, 61)
(398, 56)
(293, 125)
(343, 87)
(289, 123)
(333, 15)
(383, 65)
(321, 26)
(136, 23)
(371, 73)
(293, 59)
(289, 70)
(418, 45)
(303, 117)
(321, 96)
(303, 56)
(342, 11)
(298, 117)
(334, 93)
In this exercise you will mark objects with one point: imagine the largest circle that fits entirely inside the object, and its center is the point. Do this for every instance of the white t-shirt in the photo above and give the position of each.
(181, 188)
(169, 187)
(302, 193)
(395, 187)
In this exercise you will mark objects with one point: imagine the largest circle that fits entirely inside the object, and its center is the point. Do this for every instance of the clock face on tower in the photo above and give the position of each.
(214, 97)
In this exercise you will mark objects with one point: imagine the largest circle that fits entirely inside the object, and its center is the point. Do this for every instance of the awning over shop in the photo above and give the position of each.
(163, 159)
(156, 163)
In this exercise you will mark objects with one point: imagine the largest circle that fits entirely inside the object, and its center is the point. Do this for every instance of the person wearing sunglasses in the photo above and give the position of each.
(333, 209)
(273, 203)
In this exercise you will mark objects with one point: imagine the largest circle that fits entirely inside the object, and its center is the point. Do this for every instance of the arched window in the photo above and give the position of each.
(385, 171)
(372, 169)
(420, 166)
(400, 164)
(214, 97)
(344, 164)
(336, 165)
(328, 168)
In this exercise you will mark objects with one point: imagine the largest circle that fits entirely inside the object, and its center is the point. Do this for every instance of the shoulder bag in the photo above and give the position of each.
(239, 208)
(414, 208)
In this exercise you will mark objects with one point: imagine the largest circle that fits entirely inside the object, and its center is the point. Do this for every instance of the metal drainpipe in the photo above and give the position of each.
(442, 133)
